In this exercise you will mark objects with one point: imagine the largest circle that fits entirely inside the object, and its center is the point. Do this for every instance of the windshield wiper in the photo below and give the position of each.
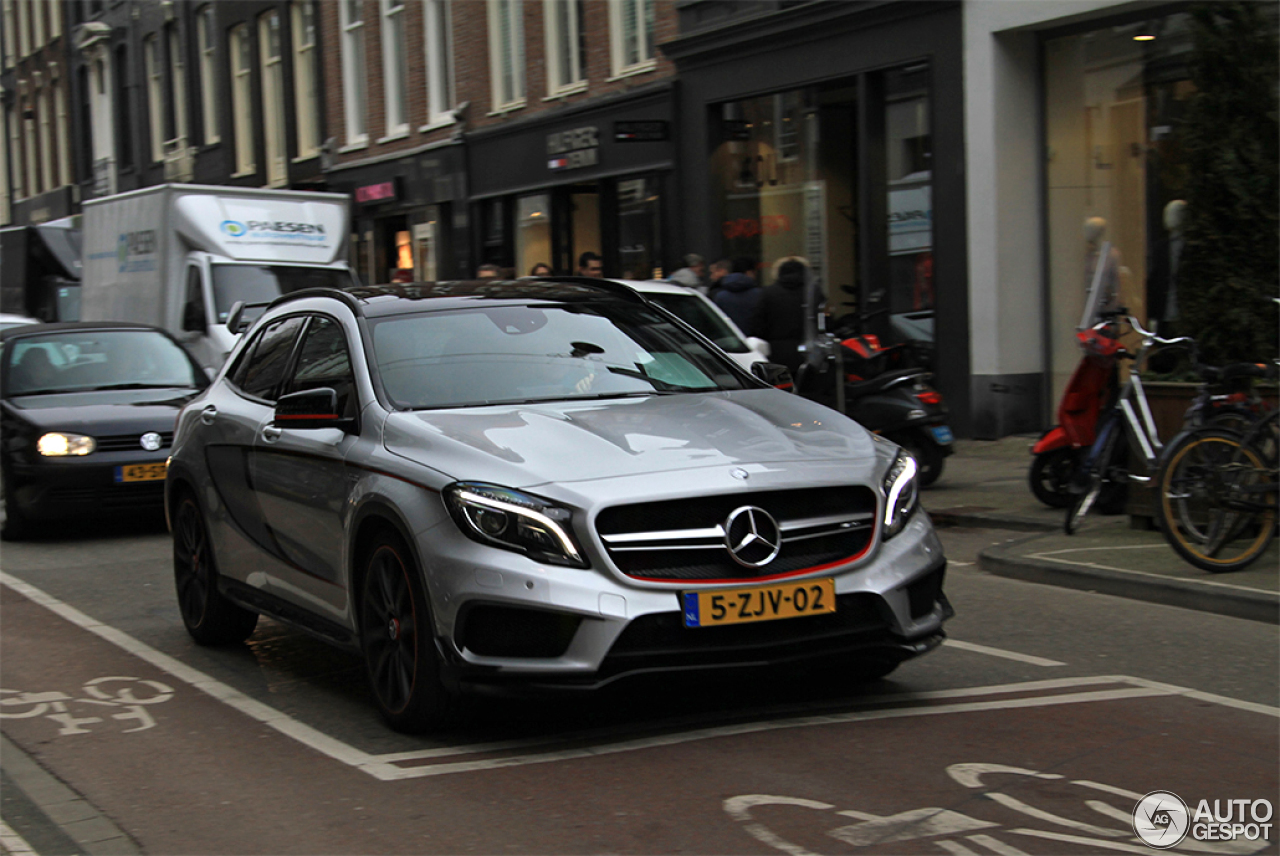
(112, 386)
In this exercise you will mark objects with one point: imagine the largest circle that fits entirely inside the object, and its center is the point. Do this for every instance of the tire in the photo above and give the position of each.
(929, 458)
(210, 618)
(1050, 476)
(397, 640)
(1201, 485)
(16, 526)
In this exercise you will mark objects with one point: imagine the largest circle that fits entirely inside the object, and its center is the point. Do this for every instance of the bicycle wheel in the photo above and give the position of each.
(1217, 500)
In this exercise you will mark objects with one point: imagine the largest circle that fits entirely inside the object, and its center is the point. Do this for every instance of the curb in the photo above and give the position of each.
(62, 807)
(1003, 560)
(989, 520)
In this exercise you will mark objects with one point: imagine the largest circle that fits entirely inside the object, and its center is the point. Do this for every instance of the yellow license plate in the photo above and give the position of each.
(759, 603)
(141, 472)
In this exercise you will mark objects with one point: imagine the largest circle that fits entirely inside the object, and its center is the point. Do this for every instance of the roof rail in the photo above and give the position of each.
(320, 291)
(604, 284)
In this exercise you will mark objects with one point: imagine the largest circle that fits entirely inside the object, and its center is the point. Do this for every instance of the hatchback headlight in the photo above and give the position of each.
(901, 494)
(514, 520)
(59, 445)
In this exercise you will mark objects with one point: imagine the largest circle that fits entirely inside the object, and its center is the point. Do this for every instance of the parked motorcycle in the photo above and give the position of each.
(1090, 390)
(883, 392)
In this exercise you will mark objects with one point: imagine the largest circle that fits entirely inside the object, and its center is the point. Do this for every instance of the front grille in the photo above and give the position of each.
(129, 442)
(661, 639)
(110, 498)
(684, 540)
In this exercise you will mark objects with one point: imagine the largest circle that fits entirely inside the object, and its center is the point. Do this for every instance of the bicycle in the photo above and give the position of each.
(1224, 399)
(1218, 493)
(1105, 463)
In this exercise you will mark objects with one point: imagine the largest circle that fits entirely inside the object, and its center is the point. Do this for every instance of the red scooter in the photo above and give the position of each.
(1088, 394)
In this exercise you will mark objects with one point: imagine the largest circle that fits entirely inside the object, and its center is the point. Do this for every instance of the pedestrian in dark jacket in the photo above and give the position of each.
(739, 293)
(779, 317)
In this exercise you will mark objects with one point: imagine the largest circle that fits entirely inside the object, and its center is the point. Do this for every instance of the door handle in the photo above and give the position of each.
(208, 415)
(271, 433)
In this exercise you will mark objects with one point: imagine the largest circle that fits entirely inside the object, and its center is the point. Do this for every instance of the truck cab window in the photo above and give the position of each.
(193, 313)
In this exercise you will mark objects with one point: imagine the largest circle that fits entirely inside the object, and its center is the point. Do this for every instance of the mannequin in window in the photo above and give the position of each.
(1094, 230)
(1162, 282)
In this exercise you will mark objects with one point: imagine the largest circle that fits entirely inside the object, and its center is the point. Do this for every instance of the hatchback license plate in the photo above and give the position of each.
(141, 472)
(762, 603)
(943, 435)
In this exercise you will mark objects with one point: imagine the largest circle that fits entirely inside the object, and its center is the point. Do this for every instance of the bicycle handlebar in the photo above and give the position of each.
(1151, 337)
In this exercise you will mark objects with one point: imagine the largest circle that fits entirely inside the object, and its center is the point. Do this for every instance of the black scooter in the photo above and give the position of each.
(885, 390)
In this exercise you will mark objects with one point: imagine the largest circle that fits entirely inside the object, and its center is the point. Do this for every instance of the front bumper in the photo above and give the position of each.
(65, 488)
(530, 627)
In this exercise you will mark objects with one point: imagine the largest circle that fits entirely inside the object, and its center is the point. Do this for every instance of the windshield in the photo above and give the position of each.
(264, 283)
(95, 360)
(541, 352)
(694, 311)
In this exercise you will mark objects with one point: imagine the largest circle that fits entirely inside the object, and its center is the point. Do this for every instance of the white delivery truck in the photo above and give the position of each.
(179, 256)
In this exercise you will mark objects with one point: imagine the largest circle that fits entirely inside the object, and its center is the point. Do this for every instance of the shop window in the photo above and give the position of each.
(439, 62)
(566, 54)
(533, 232)
(271, 53)
(584, 212)
(506, 54)
(1115, 174)
(639, 253)
(394, 68)
(205, 35)
(355, 93)
(241, 98)
(426, 252)
(155, 95)
(631, 36)
(909, 175)
(123, 138)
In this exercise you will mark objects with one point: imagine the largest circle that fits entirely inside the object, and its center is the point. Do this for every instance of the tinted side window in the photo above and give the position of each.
(262, 368)
(324, 361)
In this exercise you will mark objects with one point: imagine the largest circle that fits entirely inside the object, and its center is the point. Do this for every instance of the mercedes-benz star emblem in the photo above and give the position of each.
(150, 441)
(752, 536)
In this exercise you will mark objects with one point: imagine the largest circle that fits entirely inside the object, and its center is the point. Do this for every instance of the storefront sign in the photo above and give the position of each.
(573, 149)
(652, 131)
(383, 191)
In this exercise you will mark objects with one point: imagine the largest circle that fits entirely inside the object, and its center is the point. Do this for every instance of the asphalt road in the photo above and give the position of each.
(1034, 730)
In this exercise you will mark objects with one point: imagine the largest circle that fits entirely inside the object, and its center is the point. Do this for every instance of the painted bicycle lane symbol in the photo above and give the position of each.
(124, 699)
(944, 831)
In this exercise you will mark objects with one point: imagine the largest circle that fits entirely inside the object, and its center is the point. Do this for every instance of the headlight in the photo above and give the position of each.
(512, 520)
(900, 494)
(57, 445)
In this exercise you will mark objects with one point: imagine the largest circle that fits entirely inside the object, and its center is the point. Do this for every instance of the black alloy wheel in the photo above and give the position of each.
(210, 618)
(400, 656)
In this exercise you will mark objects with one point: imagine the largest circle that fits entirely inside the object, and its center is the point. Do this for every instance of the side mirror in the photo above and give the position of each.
(310, 408)
(773, 374)
(193, 319)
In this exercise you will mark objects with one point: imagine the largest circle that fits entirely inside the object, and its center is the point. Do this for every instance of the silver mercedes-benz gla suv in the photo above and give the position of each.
(537, 483)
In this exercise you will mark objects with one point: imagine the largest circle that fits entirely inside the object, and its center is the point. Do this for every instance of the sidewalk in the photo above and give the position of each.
(984, 484)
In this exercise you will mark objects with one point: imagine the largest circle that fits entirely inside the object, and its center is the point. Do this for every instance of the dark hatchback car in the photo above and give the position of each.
(86, 419)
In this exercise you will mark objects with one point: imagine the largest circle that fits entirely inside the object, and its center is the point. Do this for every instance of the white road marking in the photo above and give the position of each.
(1053, 556)
(12, 842)
(386, 767)
(1000, 652)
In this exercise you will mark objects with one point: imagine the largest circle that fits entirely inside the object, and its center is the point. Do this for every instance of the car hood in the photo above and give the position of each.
(531, 444)
(103, 413)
